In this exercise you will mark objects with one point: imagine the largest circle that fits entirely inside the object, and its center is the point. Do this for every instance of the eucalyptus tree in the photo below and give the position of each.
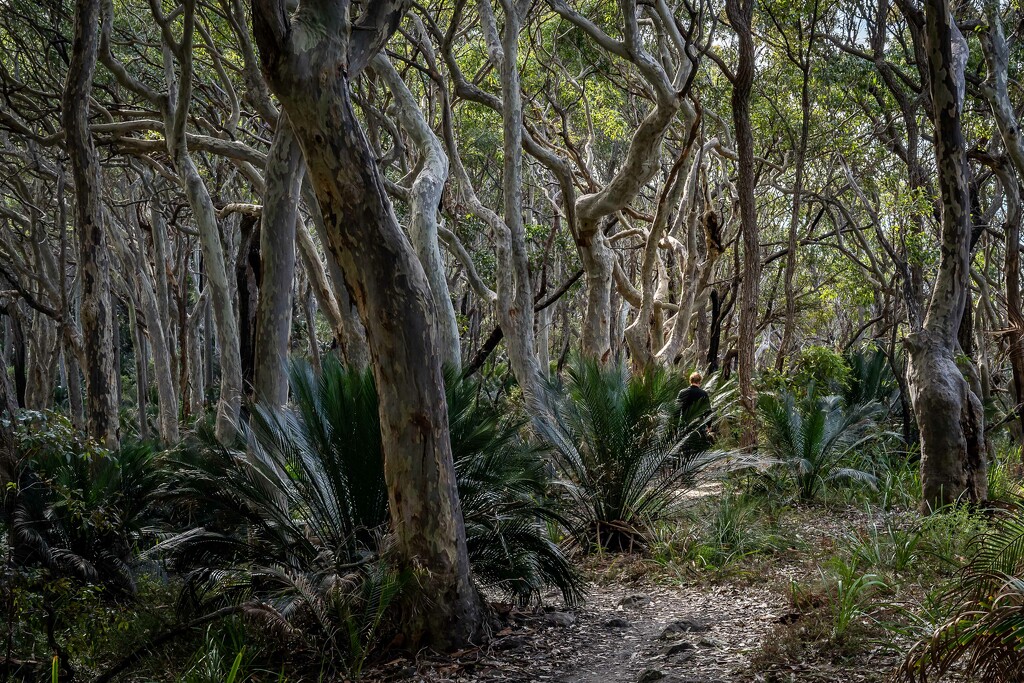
(285, 171)
(949, 414)
(741, 14)
(666, 80)
(424, 198)
(96, 314)
(173, 101)
(309, 60)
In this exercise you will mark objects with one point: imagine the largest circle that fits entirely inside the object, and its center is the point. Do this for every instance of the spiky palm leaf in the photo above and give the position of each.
(83, 514)
(301, 501)
(624, 462)
(503, 489)
(814, 437)
(871, 378)
(985, 636)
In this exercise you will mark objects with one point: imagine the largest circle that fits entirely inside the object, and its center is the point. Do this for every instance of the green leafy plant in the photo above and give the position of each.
(870, 378)
(294, 517)
(891, 546)
(623, 461)
(503, 484)
(78, 510)
(851, 600)
(984, 635)
(815, 437)
(728, 528)
(821, 366)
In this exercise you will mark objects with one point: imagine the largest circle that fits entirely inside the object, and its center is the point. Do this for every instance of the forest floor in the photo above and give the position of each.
(766, 618)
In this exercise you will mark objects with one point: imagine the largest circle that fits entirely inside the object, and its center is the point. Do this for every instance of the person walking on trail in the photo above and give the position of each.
(693, 406)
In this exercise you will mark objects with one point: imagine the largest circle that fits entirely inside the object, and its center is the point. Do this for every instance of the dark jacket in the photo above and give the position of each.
(693, 402)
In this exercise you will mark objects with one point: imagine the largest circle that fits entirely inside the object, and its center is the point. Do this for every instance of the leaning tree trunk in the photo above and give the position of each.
(740, 16)
(949, 415)
(308, 60)
(97, 315)
(352, 338)
(424, 201)
(285, 170)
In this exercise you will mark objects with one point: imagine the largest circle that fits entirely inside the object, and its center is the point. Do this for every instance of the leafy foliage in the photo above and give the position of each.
(870, 378)
(295, 515)
(623, 460)
(78, 510)
(814, 437)
(984, 636)
(503, 487)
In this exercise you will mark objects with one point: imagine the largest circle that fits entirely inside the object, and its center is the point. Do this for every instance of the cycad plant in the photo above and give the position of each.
(295, 515)
(78, 510)
(624, 462)
(503, 484)
(870, 378)
(815, 437)
(984, 637)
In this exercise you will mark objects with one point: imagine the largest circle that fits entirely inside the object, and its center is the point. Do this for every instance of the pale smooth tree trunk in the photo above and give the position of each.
(669, 83)
(141, 352)
(319, 282)
(96, 315)
(355, 352)
(285, 170)
(43, 342)
(154, 292)
(308, 60)
(949, 414)
(514, 283)
(1011, 270)
(424, 200)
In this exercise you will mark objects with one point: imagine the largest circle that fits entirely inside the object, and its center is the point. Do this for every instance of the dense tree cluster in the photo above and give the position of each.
(193, 192)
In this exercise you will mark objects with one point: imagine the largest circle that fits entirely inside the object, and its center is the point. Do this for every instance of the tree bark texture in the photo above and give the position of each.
(424, 201)
(285, 170)
(308, 61)
(740, 13)
(949, 414)
(96, 315)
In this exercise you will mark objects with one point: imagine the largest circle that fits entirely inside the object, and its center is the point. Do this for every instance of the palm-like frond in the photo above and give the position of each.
(624, 463)
(814, 437)
(82, 513)
(298, 507)
(985, 635)
(871, 378)
(503, 489)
